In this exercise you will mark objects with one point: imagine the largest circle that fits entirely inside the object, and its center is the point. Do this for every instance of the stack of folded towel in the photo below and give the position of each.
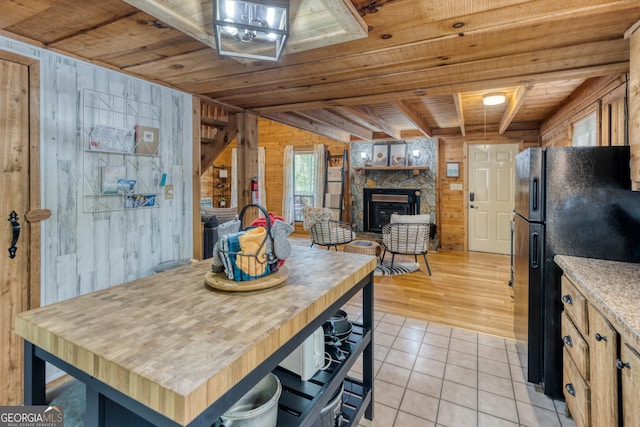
(252, 253)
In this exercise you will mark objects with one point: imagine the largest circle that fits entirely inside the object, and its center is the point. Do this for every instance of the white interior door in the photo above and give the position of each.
(491, 196)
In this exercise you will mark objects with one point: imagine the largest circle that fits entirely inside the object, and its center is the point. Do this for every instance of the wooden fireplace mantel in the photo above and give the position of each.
(416, 169)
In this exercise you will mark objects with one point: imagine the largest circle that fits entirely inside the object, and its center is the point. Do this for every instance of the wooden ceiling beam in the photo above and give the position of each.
(412, 115)
(448, 88)
(310, 125)
(457, 99)
(338, 122)
(516, 102)
(366, 114)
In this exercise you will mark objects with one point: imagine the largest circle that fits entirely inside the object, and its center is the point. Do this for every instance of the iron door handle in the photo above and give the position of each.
(13, 219)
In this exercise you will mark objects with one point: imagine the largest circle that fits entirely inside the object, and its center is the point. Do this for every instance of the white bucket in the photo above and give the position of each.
(257, 408)
(331, 412)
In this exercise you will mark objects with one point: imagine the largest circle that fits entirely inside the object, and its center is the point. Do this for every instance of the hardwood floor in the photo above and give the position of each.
(468, 290)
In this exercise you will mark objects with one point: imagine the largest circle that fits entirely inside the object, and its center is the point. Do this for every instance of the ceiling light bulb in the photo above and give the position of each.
(493, 99)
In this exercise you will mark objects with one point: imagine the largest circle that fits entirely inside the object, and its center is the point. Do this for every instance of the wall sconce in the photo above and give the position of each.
(414, 160)
(366, 160)
(256, 29)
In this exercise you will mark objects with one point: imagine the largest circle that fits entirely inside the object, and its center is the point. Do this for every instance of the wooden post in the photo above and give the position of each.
(247, 160)
(634, 104)
(198, 227)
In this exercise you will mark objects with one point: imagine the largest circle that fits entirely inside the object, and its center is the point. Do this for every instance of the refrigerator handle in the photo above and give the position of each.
(534, 194)
(533, 250)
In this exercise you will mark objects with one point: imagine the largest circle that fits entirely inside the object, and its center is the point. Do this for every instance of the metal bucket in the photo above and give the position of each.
(257, 408)
(330, 413)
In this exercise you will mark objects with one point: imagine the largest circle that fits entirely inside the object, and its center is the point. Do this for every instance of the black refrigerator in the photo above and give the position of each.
(570, 201)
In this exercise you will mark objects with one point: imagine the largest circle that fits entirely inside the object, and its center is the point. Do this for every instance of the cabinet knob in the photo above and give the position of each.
(621, 365)
(570, 389)
(567, 340)
(567, 299)
(600, 338)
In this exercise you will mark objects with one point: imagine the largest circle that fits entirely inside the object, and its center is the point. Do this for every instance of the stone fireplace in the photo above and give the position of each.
(394, 183)
(380, 203)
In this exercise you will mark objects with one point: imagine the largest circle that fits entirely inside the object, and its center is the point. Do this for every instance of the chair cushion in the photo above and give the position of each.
(313, 215)
(410, 219)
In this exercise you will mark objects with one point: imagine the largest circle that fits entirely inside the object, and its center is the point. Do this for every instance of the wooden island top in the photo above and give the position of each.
(175, 345)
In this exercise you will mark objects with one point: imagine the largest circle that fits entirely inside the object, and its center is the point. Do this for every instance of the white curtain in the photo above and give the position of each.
(319, 152)
(262, 189)
(288, 206)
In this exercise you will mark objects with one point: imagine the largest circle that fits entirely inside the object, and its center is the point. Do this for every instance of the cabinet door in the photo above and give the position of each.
(630, 374)
(603, 345)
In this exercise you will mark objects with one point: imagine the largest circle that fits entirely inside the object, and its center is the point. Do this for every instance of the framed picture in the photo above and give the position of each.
(380, 155)
(398, 155)
(453, 170)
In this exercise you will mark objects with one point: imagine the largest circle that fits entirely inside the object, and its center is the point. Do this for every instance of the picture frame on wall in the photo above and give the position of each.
(398, 155)
(453, 169)
(380, 155)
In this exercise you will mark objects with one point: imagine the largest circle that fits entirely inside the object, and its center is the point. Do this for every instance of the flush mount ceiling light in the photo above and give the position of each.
(493, 99)
(256, 29)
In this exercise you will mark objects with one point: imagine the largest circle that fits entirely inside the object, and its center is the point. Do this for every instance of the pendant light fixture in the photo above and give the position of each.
(256, 29)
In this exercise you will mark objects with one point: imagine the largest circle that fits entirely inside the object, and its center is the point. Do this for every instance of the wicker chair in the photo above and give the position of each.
(406, 239)
(324, 230)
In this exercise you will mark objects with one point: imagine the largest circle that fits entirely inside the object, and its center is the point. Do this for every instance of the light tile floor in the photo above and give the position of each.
(427, 374)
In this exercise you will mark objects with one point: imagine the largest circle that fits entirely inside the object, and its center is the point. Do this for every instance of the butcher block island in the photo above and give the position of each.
(176, 352)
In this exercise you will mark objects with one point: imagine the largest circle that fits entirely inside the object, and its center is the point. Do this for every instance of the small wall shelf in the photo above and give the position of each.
(416, 169)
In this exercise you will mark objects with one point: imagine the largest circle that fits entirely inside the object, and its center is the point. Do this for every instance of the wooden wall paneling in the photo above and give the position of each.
(606, 116)
(581, 100)
(84, 252)
(451, 216)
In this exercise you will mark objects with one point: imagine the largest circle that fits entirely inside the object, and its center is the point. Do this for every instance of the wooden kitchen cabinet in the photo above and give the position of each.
(592, 360)
(603, 345)
(575, 355)
(630, 376)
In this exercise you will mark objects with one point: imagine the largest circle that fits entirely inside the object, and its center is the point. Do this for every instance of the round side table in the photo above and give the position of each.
(364, 247)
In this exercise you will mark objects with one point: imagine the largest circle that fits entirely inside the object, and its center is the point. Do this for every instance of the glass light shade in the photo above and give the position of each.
(255, 29)
(493, 99)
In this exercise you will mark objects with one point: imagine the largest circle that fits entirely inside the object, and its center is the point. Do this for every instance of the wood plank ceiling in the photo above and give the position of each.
(422, 69)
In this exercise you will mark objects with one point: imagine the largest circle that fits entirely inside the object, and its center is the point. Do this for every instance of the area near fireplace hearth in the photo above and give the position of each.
(375, 193)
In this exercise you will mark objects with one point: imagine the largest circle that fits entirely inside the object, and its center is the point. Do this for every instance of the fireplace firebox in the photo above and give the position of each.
(380, 203)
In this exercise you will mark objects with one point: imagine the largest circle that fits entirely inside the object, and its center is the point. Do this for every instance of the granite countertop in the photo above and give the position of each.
(612, 287)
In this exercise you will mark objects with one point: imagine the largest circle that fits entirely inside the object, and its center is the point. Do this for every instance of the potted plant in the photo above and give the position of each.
(222, 202)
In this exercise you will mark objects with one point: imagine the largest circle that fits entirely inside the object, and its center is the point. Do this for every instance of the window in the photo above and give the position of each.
(304, 186)
(584, 132)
